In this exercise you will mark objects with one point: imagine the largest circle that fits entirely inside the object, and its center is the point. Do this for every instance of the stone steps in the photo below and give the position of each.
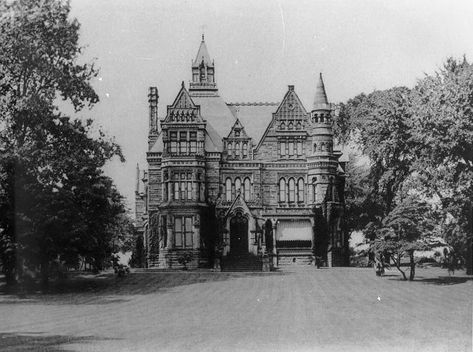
(241, 264)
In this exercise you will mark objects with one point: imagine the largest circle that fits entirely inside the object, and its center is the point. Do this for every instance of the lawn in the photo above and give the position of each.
(339, 309)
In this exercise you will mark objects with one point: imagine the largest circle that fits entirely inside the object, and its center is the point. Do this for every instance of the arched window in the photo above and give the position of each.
(314, 189)
(315, 147)
(237, 149)
(300, 190)
(282, 190)
(230, 148)
(245, 150)
(290, 126)
(247, 189)
(282, 126)
(298, 126)
(237, 185)
(292, 190)
(228, 189)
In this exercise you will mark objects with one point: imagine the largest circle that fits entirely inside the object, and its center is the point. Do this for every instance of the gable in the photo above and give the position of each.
(290, 112)
(237, 131)
(183, 109)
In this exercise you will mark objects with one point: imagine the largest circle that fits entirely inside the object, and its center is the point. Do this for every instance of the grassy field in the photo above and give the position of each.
(339, 309)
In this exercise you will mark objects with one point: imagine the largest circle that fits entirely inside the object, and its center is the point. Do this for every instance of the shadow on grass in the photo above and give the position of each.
(107, 288)
(30, 341)
(445, 280)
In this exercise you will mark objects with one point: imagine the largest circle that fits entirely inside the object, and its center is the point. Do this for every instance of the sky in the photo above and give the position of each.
(259, 48)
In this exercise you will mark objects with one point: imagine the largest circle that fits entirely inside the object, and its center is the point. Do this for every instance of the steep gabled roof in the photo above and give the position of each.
(254, 117)
(213, 141)
(214, 110)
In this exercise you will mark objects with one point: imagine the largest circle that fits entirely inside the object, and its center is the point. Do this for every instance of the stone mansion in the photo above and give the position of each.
(243, 180)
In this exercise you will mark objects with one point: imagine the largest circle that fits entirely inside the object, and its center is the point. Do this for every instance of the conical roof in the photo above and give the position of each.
(202, 54)
(320, 95)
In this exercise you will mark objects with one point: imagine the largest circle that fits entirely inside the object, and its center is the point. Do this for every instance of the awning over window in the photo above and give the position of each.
(293, 230)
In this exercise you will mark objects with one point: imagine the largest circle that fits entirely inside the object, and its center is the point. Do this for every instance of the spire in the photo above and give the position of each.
(320, 95)
(203, 73)
(202, 55)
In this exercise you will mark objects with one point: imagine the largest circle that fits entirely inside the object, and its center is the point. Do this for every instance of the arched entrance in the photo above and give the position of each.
(238, 235)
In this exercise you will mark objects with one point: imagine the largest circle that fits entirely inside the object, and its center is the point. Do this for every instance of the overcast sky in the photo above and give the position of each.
(259, 48)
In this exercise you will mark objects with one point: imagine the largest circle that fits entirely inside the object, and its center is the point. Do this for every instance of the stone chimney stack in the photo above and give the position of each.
(153, 116)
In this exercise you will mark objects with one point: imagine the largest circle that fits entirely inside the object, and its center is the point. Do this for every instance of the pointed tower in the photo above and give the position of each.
(323, 161)
(203, 73)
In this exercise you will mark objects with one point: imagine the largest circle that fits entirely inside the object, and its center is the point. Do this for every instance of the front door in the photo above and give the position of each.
(238, 235)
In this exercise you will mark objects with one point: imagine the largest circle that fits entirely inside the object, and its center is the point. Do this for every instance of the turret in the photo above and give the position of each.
(323, 162)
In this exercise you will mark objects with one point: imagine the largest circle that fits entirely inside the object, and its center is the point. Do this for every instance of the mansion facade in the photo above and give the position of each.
(247, 182)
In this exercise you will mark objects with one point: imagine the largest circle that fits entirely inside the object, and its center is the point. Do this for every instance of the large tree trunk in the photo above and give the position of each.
(413, 266)
(397, 262)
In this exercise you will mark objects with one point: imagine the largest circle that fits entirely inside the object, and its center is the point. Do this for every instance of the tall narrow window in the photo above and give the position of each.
(237, 150)
(188, 232)
(283, 148)
(176, 190)
(245, 150)
(178, 231)
(228, 189)
(292, 189)
(230, 149)
(291, 148)
(189, 190)
(314, 189)
(173, 138)
(237, 185)
(282, 190)
(299, 147)
(247, 188)
(202, 191)
(183, 142)
(300, 190)
(193, 142)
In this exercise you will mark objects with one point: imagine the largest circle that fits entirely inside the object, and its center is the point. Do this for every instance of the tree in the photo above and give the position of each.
(56, 202)
(378, 124)
(403, 231)
(442, 140)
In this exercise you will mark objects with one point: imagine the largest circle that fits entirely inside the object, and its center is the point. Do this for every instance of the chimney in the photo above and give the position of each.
(153, 109)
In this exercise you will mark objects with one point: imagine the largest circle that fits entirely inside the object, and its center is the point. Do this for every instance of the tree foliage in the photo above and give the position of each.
(418, 141)
(56, 203)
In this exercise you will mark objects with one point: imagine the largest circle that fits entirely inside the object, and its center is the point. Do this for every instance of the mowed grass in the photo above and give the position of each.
(338, 309)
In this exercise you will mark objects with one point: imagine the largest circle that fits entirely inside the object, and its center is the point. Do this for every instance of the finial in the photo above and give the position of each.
(182, 84)
(202, 36)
